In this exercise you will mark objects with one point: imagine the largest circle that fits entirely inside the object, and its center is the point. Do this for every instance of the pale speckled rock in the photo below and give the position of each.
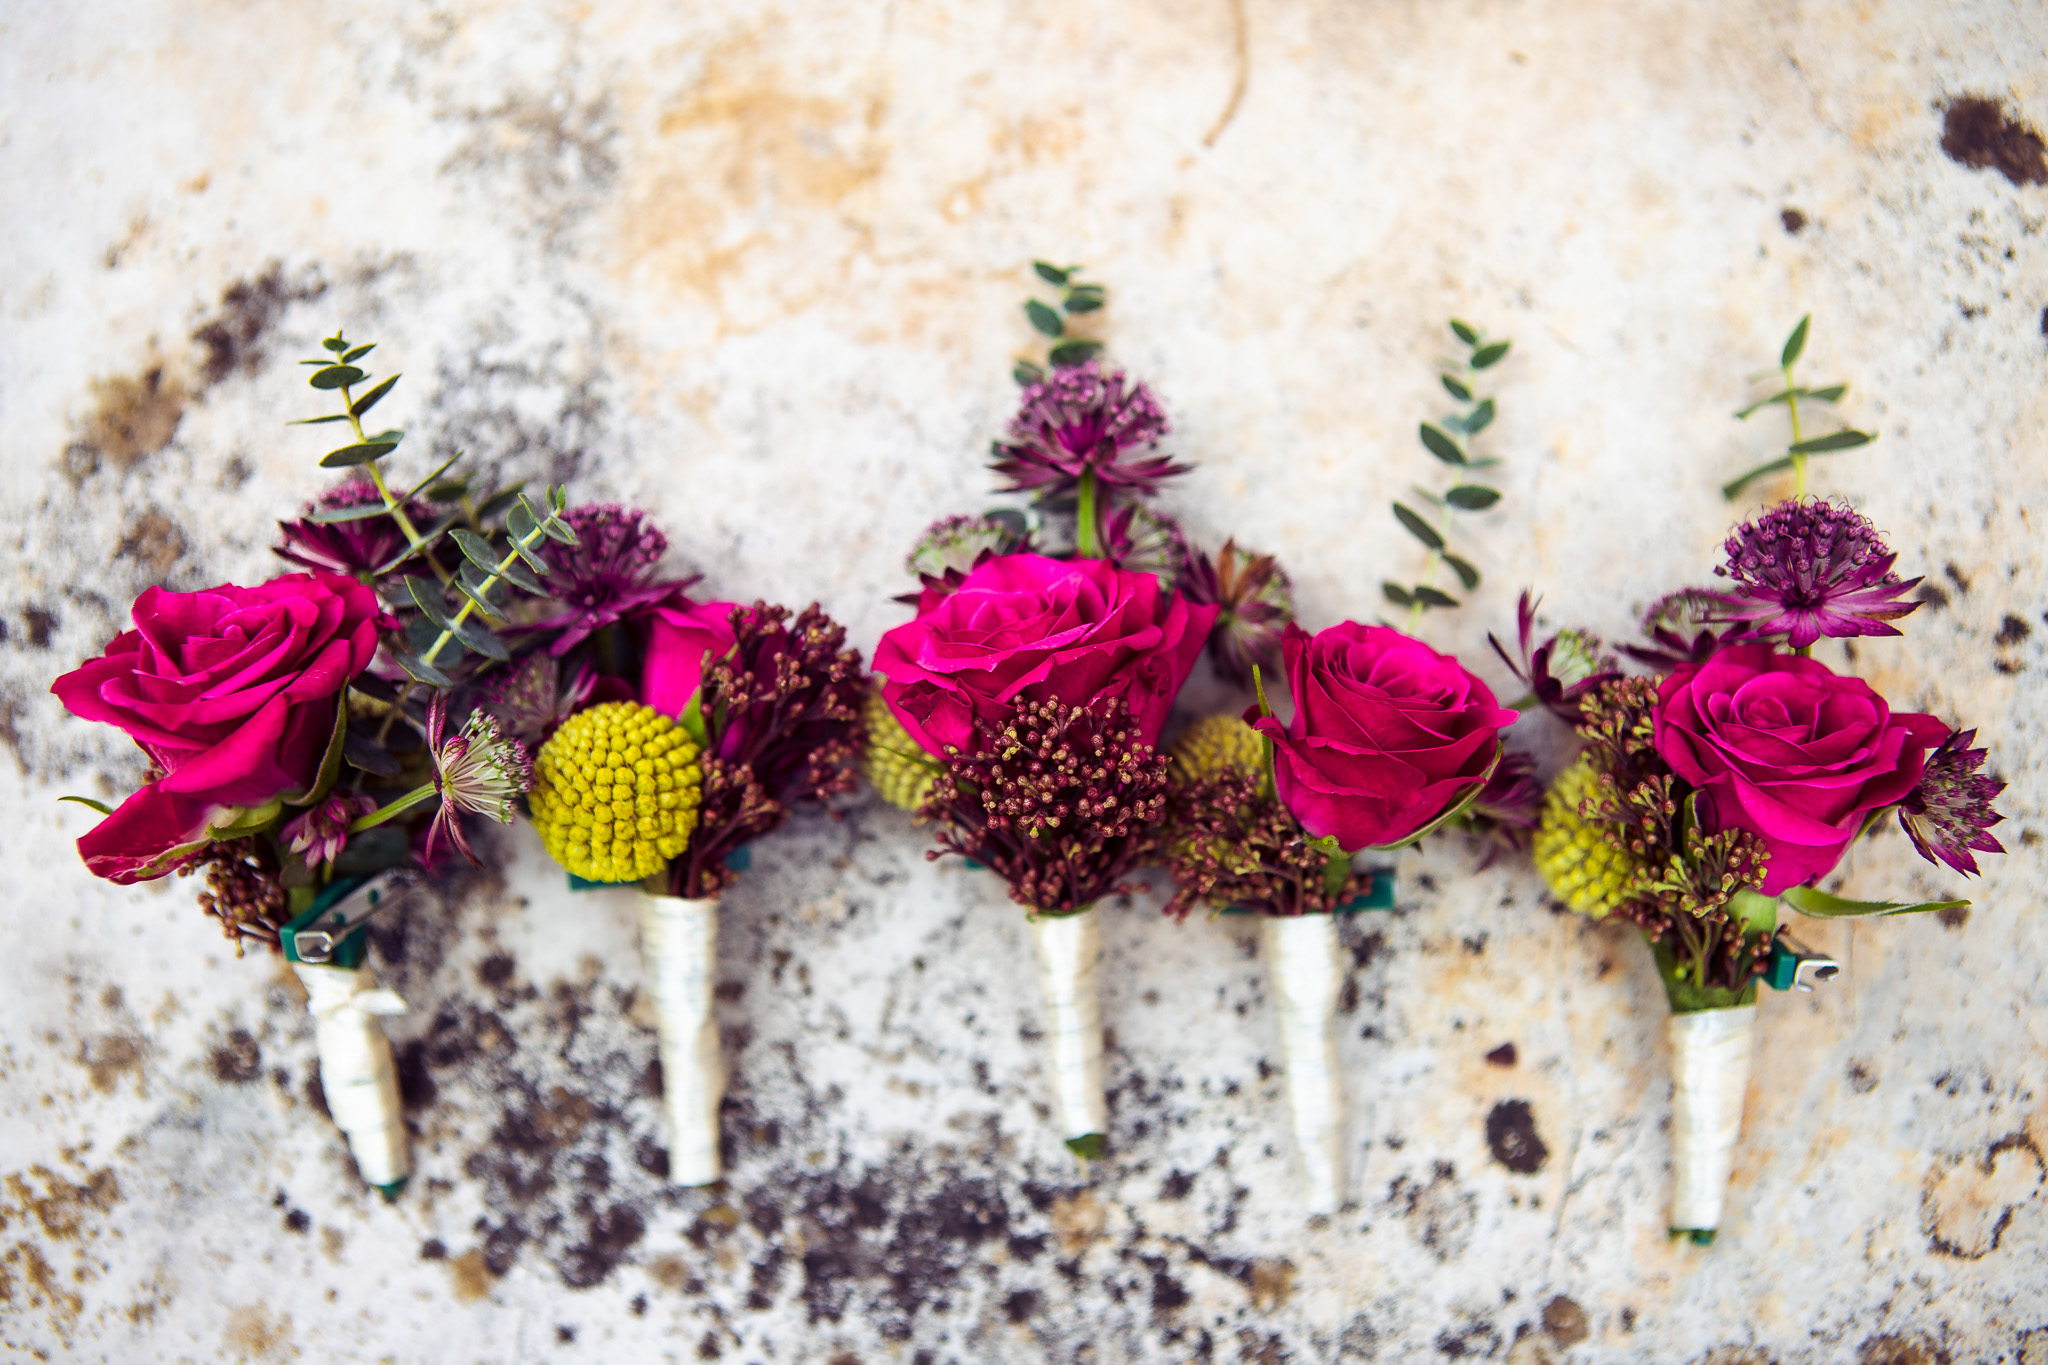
(759, 270)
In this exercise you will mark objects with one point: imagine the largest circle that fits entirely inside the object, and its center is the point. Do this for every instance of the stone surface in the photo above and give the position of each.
(758, 270)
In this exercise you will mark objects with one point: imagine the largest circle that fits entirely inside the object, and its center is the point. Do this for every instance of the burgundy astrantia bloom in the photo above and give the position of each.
(1950, 814)
(1561, 671)
(1679, 629)
(608, 575)
(477, 772)
(529, 699)
(1808, 569)
(952, 548)
(322, 832)
(1080, 419)
(1254, 603)
(357, 548)
(1144, 541)
(1508, 808)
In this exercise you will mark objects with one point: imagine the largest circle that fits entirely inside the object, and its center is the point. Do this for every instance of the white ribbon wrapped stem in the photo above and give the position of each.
(1301, 961)
(1710, 1052)
(1069, 950)
(679, 944)
(356, 1073)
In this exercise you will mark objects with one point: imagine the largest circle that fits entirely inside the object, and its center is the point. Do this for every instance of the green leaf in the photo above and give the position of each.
(1847, 439)
(426, 595)
(692, 719)
(1050, 273)
(1480, 418)
(472, 587)
(102, 807)
(334, 344)
(1472, 497)
(422, 671)
(520, 523)
(476, 549)
(1068, 354)
(1795, 343)
(316, 421)
(516, 573)
(498, 502)
(1043, 318)
(1456, 389)
(1397, 594)
(359, 454)
(1085, 298)
(1417, 527)
(356, 353)
(1810, 900)
(1735, 486)
(1779, 397)
(328, 516)
(364, 753)
(1467, 333)
(1441, 446)
(1433, 597)
(334, 376)
(1026, 373)
(246, 821)
(1467, 575)
(482, 641)
(1830, 394)
(369, 400)
(1490, 354)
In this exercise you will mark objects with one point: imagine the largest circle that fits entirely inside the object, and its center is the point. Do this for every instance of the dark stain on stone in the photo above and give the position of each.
(1978, 133)
(316, 1095)
(1861, 1078)
(41, 622)
(1898, 1348)
(707, 1349)
(495, 971)
(608, 1237)
(1955, 917)
(1956, 576)
(501, 1246)
(1168, 1294)
(565, 1334)
(1565, 1321)
(132, 419)
(433, 1249)
(153, 541)
(1502, 1056)
(1475, 944)
(1474, 1339)
(1793, 220)
(1176, 1185)
(298, 1220)
(1511, 1137)
(2012, 630)
(1367, 949)
(234, 339)
(1932, 594)
(239, 1060)
(417, 1089)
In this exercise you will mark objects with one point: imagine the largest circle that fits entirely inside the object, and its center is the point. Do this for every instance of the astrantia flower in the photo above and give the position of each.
(1949, 813)
(951, 549)
(478, 772)
(608, 574)
(1508, 808)
(1080, 419)
(1144, 541)
(1680, 630)
(322, 832)
(529, 700)
(1808, 569)
(1563, 669)
(359, 547)
(1255, 604)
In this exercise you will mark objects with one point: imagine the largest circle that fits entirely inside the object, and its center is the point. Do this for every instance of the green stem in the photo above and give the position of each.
(525, 542)
(1798, 461)
(1087, 531)
(1436, 559)
(415, 797)
(392, 503)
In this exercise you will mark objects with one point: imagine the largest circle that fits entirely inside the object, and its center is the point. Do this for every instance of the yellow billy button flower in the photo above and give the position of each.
(900, 770)
(1214, 743)
(615, 792)
(1583, 861)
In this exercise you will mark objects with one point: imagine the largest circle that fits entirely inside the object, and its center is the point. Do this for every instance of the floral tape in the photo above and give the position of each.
(1069, 949)
(679, 943)
(356, 1074)
(1710, 1052)
(1301, 956)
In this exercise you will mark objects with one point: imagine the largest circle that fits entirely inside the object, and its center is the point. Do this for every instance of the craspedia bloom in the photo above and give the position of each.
(1215, 743)
(899, 769)
(1949, 814)
(1808, 569)
(1583, 860)
(615, 792)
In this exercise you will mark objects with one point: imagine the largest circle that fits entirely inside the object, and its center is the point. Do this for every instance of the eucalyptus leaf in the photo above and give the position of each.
(1441, 445)
(1830, 394)
(355, 353)
(316, 421)
(1456, 389)
(452, 491)
(1085, 298)
(422, 671)
(1050, 273)
(1811, 900)
(365, 753)
(516, 574)
(102, 807)
(1847, 439)
(520, 524)
(1783, 395)
(1075, 352)
(1417, 527)
(480, 639)
(1046, 320)
(334, 344)
(1795, 343)
(1472, 497)
(357, 454)
(1434, 597)
(1735, 486)
(328, 516)
(334, 376)
(1490, 354)
(426, 595)
(1480, 418)
(369, 400)
(1465, 332)
(1026, 373)
(498, 502)
(476, 549)
(1467, 575)
(1397, 594)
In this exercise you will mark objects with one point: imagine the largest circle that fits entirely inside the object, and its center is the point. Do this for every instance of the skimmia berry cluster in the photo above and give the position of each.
(1062, 802)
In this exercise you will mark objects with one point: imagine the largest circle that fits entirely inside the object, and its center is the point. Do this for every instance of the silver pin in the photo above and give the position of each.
(1810, 967)
(317, 944)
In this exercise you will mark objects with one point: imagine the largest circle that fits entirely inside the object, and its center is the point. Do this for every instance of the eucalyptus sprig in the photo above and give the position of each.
(1459, 379)
(1795, 456)
(484, 570)
(1051, 319)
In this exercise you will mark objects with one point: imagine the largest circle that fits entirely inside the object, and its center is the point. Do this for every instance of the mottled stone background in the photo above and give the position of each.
(757, 268)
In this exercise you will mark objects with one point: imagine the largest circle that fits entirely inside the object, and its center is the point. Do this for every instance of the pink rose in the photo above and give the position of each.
(1785, 748)
(680, 640)
(1024, 627)
(1387, 734)
(233, 692)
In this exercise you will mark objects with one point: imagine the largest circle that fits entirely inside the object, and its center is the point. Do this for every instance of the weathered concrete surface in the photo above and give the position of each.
(758, 269)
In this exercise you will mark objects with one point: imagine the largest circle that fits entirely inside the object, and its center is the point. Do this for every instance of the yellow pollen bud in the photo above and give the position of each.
(1583, 861)
(1214, 743)
(592, 785)
(900, 770)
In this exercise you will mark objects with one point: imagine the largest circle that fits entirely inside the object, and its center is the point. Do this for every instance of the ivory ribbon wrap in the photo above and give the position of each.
(356, 1074)
(1710, 1051)
(1069, 949)
(1301, 957)
(679, 944)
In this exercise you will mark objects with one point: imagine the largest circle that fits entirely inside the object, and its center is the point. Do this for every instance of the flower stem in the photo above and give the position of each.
(1436, 558)
(468, 606)
(1087, 531)
(1798, 461)
(392, 504)
(397, 808)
